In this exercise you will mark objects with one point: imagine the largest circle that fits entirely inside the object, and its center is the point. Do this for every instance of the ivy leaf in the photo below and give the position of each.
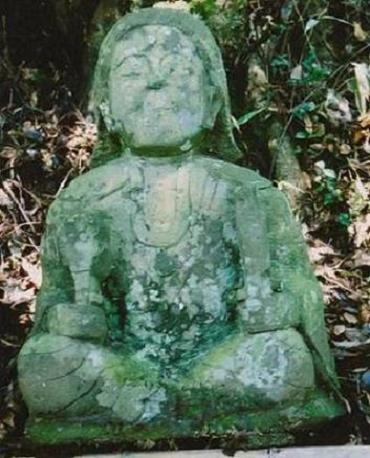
(249, 115)
(302, 109)
(311, 23)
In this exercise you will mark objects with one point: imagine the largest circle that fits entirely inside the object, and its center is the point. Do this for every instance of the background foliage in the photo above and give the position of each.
(298, 73)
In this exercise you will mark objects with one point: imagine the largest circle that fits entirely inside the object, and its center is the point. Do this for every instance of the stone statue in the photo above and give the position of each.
(177, 298)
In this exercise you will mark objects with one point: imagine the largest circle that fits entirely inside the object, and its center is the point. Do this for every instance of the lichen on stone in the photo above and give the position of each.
(177, 297)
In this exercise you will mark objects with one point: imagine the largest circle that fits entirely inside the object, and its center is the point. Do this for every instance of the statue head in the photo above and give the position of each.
(160, 88)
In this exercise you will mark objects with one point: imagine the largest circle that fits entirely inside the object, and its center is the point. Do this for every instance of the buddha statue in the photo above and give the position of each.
(177, 297)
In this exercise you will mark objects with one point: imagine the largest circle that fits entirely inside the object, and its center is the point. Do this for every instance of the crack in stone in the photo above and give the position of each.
(81, 396)
(48, 352)
(72, 371)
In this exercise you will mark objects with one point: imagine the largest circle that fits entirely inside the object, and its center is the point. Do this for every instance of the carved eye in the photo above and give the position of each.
(175, 64)
(188, 70)
(133, 66)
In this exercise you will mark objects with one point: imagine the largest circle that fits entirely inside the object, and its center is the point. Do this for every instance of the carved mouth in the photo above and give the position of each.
(159, 104)
(163, 109)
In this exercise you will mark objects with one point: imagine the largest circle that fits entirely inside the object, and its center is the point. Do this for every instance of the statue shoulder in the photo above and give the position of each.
(245, 183)
(234, 175)
(90, 187)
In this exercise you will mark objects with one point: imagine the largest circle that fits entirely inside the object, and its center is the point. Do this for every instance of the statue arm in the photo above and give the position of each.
(280, 289)
(57, 286)
(255, 296)
(61, 305)
(291, 272)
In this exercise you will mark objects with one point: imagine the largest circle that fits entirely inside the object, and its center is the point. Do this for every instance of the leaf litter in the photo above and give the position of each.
(327, 118)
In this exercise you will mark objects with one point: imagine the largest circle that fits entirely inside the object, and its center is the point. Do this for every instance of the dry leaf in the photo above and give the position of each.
(33, 271)
(359, 229)
(365, 314)
(337, 108)
(317, 253)
(362, 86)
(364, 120)
(339, 329)
(358, 197)
(15, 294)
(361, 259)
(361, 189)
(296, 73)
(359, 32)
(345, 149)
(351, 319)
(5, 201)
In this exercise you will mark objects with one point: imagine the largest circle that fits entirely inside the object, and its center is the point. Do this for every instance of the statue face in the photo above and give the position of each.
(157, 87)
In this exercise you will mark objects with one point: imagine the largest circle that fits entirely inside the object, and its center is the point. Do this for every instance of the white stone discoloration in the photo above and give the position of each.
(138, 403)
(276, 366)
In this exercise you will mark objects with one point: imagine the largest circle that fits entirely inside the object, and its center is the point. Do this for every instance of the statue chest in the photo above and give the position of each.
(162, 206)
(180, 252)
(198, 267)
(178, 246)
(176, 221)
(176, 294)
(160, 202)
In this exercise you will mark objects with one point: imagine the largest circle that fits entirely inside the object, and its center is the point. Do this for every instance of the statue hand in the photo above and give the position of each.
(78, 321)
(273, 310)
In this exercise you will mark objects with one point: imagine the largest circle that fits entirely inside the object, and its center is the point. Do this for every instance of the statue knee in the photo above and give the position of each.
(57, 374)
(268, 367)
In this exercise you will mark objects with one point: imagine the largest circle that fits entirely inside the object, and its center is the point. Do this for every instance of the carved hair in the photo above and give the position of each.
(217, 121)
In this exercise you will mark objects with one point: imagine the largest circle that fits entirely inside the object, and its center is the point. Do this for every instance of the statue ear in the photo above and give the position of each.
(213, 104)
(105, 113)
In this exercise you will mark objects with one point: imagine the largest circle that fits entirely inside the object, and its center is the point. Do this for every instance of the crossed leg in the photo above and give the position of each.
(67, 377)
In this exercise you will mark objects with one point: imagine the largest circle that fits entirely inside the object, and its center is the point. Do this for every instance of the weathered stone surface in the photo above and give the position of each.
(177, 298)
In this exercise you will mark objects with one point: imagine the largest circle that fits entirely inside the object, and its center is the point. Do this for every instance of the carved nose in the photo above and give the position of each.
(156, 81)
(155, 84)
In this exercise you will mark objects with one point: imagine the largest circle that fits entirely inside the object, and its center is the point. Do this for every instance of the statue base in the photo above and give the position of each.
(276, 427)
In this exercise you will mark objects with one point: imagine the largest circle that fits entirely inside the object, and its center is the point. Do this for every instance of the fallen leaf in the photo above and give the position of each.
(359, 32)
(297, 73)
(14, 294)
(33, 271)
(345, 149)
(317, 253)
(351, 319)
(365, 314)
(337, 108)
(359, 230)
(362, 92)
(310, 24)
(339, 329)
(361, 259)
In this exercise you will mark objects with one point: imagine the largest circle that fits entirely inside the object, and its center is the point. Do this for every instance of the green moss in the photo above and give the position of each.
(129, 369)
(274, 427)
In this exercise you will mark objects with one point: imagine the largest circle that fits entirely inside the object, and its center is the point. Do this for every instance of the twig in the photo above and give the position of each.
(62, 184)
(24, 214)
(15, 199)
